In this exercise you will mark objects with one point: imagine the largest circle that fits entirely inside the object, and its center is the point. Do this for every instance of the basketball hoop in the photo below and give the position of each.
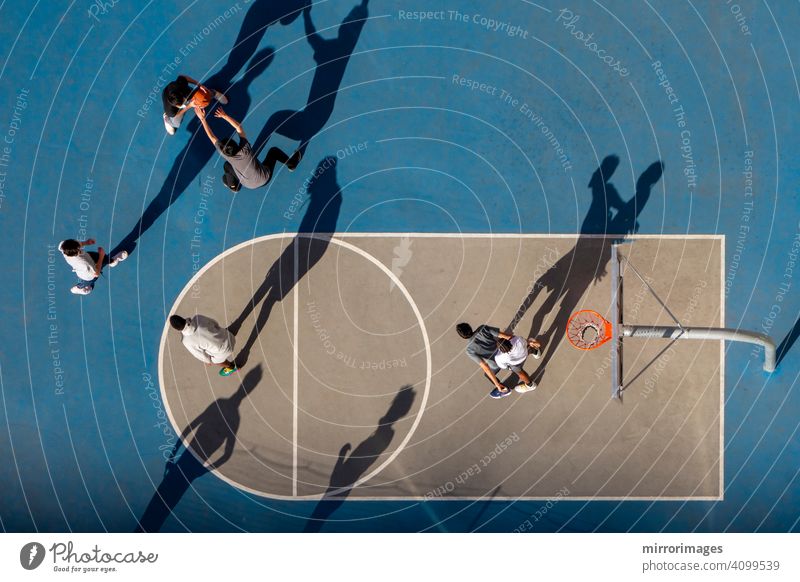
(588, 330)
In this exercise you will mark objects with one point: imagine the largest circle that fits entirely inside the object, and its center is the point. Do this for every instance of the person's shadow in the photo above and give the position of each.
(309, 245)
(214, 429)
(349, 469)
(331, 56)
(569, 278)
(195, 154)
(260, 16)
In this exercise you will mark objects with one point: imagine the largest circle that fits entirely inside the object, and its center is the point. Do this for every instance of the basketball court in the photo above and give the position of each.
(352, 340)
(473, 163)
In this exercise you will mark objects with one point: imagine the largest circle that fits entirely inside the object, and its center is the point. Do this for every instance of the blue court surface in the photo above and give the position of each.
(460, 122)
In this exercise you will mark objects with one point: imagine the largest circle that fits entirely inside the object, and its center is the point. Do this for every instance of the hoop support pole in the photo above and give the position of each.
(707, 333)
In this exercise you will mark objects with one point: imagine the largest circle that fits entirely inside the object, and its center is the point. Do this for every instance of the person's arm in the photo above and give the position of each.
(98, 266)
(202, 115)
(488, 371)
(314, 39)
(235, 124)
(86, 243)
(504, 335)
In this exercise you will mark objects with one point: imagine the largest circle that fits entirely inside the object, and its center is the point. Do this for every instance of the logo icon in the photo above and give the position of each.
(31, 555)
(402, 256)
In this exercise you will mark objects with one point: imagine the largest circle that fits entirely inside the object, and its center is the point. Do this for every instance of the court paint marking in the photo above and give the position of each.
(335, 239)
(295, 380)
(398, 283)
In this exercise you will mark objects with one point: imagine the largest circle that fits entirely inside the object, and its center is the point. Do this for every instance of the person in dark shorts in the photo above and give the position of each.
(242, 168)
(482, 349)
(178, 97)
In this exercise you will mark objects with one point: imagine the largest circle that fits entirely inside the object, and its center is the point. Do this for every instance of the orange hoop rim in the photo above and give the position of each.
(580, 321)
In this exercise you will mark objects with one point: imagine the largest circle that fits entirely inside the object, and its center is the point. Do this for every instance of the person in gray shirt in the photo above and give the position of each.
(482, 348)
(242, 168)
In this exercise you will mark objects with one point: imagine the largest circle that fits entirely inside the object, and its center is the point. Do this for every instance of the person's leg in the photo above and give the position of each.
(171, 124)
(275, 155)
(83, 287)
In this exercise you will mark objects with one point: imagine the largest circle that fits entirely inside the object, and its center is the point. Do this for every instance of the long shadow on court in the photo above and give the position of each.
(214, 429)
(331, 56)
(569, 277)
(195, 154)
(312, 240)
(260, 16)
(350, 469)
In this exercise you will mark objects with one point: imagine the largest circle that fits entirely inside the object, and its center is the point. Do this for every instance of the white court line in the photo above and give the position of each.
(722, 371)
(337, 239)
(295, 359)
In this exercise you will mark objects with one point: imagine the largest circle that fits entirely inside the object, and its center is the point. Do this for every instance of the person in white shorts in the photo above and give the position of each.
(87, 265)
(207, 341)
(511, 355)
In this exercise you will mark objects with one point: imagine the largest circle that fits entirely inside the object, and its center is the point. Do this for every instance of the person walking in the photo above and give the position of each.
(242, 168)
(87, 265)
(207, 341)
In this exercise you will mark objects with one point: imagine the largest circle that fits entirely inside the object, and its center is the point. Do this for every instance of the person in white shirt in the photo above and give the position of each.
(86, 265)
(207, 341)
(511, 355)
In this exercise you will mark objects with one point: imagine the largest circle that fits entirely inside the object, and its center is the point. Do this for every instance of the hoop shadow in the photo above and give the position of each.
(571, 275)
(314, 234)
(787, 342)
(215, 428)
(331, 56)
(350, 469)
(195, 154)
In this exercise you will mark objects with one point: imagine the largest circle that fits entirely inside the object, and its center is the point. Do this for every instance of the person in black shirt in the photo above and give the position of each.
(178, 98)
(482, 348)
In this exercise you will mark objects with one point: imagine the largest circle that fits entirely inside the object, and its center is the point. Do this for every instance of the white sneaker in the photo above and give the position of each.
(118, 258)
(221, 98)
(523, 388)
(168, 125)
(78, 290)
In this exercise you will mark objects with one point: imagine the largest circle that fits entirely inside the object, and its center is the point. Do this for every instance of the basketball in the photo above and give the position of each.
(202, 96)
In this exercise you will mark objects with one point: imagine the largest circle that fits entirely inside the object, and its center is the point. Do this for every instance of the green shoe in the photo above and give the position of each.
(226, 371)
